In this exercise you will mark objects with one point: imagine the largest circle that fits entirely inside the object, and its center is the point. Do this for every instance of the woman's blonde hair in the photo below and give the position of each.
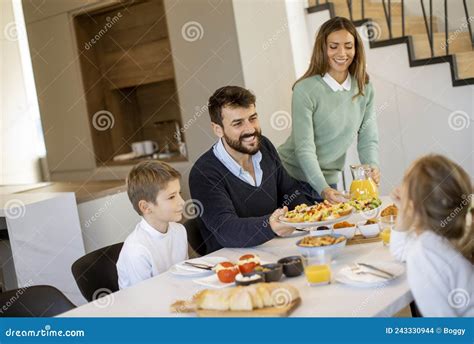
(319, 64)
(438, 197)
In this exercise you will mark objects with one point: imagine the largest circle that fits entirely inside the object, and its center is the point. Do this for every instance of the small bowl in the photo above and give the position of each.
(369, 231)
(348, 232)
(388, 220)
(321, 230)
(270, 272)
(317, 251)
(292, 266)
(248, 279)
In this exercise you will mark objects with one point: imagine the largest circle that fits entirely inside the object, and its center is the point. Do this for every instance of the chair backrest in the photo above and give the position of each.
(96, 272)
(195, 240)
(34, 301)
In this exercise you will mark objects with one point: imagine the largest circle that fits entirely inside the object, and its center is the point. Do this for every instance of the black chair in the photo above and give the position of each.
(34, 301)
(415, 311)
(96, 272)
(195, 240)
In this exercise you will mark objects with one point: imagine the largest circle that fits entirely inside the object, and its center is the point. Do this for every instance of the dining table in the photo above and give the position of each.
(153, 297)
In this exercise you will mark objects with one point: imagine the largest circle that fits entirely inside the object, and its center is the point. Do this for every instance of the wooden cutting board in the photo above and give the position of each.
(271, 312)
(360, 239)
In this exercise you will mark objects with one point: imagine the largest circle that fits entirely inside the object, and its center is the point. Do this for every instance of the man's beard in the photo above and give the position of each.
(238, 145)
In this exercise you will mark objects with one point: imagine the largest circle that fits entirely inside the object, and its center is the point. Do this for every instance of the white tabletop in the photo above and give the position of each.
(153, 297)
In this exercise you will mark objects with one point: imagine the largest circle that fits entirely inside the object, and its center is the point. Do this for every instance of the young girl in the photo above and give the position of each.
(434, 234)
(332, 105)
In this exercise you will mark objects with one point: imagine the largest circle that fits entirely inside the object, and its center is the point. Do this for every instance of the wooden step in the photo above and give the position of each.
(465, 65)
(371, 10)
(460, 43)
(413, 25)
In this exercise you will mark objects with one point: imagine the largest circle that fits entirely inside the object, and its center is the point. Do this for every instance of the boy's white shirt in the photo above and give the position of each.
(147, 252)
(440, 278)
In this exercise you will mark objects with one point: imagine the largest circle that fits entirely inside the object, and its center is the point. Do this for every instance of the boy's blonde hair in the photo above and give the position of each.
(146, 179)
(439, 194)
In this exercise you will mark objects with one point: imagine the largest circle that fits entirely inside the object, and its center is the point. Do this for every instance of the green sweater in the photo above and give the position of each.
(325, 123)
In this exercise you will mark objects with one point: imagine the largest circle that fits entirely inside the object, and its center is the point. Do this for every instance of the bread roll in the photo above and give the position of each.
(255, 296)
(240, 300)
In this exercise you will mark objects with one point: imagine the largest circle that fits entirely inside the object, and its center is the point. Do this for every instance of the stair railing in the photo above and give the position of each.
(468, 20)
(427, 18)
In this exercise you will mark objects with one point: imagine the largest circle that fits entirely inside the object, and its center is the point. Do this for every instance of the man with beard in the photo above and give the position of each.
(240, 181)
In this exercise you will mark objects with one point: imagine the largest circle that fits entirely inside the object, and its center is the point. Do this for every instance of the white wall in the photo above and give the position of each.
(267, 62)
(202, 64)
(20, 135)
(414, 106)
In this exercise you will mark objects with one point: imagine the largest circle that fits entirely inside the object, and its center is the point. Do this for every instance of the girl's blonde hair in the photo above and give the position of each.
(439, 194)
(319, 64)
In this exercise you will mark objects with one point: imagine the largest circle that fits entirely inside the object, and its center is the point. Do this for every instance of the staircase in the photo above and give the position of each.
(415, 31)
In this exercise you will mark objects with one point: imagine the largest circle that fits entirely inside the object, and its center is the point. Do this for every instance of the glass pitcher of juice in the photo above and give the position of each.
(363, 187)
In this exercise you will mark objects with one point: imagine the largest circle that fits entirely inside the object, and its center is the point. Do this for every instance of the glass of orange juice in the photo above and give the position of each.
(385, 235)
(387, 222)
(317, 271)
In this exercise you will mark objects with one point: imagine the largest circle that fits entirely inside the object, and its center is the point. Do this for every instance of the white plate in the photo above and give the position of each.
(346, 276)
(184, 270)
(295, 234)
(305, 225)
(213, 282)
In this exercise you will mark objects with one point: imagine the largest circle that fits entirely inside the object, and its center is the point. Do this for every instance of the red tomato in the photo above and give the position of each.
(247, 267)
(247, 263)
(227, 272)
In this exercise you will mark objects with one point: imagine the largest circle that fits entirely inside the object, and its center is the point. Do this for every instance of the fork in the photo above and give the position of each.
(358, 271)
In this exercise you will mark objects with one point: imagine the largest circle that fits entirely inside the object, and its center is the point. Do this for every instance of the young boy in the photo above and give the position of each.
(157, 242)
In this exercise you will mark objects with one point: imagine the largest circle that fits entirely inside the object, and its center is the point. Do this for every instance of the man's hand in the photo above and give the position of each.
(279, 228)
(334, 196)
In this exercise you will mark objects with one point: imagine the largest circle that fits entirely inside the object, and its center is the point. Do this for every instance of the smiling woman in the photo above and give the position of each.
(332, 104)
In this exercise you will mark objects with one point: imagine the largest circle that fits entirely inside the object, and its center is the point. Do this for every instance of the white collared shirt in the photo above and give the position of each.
(235, 168)
(147, 252)
(335, 86)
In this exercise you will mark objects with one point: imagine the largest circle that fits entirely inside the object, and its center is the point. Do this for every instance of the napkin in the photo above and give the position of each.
(362, 278)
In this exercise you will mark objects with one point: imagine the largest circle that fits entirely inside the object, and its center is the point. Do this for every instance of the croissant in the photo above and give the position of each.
(248, 298)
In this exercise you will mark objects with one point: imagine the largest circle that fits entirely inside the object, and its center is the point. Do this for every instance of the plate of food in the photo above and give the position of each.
(320, 214)
(225, 272)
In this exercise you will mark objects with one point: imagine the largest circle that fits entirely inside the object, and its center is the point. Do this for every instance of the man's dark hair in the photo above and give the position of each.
(232, 96)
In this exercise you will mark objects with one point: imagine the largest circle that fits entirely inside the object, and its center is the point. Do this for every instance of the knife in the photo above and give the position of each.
(199, 266)
(377, 269)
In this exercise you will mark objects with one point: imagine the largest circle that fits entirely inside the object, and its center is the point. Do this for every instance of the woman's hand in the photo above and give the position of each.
(334, 196)
(396, 195)
(375, 175)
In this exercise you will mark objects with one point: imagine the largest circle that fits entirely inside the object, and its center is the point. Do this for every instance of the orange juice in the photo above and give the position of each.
(318, 274)
(362, 189)
(385, 235)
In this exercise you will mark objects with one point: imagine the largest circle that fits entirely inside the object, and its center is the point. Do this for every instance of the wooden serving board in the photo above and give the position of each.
(360, 239)
(270, 312)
